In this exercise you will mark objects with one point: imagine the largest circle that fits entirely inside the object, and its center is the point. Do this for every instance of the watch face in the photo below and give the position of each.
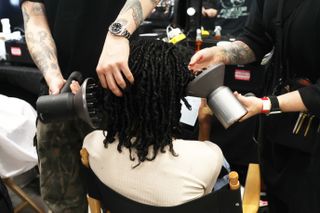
(116, 28)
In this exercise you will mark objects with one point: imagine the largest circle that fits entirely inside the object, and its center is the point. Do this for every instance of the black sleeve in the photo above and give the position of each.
(254, 34)
(311, 98)
(311, 95)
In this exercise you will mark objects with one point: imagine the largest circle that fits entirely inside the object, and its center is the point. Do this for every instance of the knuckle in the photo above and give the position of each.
(113, 88)
(103, 68)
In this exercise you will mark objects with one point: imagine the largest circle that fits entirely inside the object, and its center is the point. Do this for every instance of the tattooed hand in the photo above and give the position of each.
(232, 53)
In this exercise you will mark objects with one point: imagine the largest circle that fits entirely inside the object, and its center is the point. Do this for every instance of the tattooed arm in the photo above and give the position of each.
(135, 11)
(236, 52)
(41, 45)
(113, 62)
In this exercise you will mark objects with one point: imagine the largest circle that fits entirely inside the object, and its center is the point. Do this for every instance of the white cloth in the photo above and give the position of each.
(17, 129)
(165, 181)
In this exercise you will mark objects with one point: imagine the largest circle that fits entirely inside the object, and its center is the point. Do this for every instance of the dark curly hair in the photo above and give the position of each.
(148, 113)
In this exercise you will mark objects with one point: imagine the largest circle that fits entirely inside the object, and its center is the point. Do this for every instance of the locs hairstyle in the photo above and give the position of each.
(148, 113)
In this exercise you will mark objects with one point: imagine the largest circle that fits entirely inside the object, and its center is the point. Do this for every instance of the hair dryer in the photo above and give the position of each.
(66, 106)
(220, 99)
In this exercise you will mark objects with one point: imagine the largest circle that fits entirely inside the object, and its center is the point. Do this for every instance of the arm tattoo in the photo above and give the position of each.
(239, 53)
(40, 42)
(43, 50)
(38, 10)
(137, 13)
(26, 16)
(122, 21)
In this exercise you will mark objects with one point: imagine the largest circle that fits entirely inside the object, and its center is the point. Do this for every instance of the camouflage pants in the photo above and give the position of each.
(62, 181)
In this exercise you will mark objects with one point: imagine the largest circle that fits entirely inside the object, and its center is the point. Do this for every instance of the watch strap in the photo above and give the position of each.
(126, 34)
(275, 107)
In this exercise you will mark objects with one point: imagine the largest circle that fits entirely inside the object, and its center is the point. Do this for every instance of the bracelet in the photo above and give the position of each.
(275, 107)
(266, 107)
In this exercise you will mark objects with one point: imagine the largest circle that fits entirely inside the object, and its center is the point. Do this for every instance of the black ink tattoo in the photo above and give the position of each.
(26, 16)
(137, 13)
(123, 21)
(43, 51)
(239, 53)
(42, 36)
(37, 9)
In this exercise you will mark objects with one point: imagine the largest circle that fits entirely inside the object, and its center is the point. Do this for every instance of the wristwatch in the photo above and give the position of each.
(118, 29)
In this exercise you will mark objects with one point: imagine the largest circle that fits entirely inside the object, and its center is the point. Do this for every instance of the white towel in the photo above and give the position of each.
(17, 129)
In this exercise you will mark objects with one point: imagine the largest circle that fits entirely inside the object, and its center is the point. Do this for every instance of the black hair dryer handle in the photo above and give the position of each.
(73, 76)
(58, 107)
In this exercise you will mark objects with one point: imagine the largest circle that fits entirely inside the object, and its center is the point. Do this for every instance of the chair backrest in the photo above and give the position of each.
(221, 201)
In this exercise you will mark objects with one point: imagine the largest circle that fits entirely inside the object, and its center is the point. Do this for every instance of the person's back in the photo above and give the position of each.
(137, 155)
(165, 181)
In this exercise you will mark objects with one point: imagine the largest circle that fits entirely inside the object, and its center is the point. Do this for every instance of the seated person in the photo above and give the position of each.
(137, 153)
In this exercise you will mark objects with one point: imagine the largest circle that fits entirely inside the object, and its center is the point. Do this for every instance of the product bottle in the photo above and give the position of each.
(217, 33)
(198, 40)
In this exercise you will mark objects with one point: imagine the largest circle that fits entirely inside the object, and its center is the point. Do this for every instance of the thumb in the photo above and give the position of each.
(240, 97)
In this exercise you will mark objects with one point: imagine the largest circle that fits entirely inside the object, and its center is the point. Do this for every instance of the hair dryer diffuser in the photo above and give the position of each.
(87, 103)
(67, 106)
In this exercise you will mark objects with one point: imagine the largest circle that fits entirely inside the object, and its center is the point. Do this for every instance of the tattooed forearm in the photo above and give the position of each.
(39, 40)
(42, 50)
(35, 9)
(137, 13)
(239, 53)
